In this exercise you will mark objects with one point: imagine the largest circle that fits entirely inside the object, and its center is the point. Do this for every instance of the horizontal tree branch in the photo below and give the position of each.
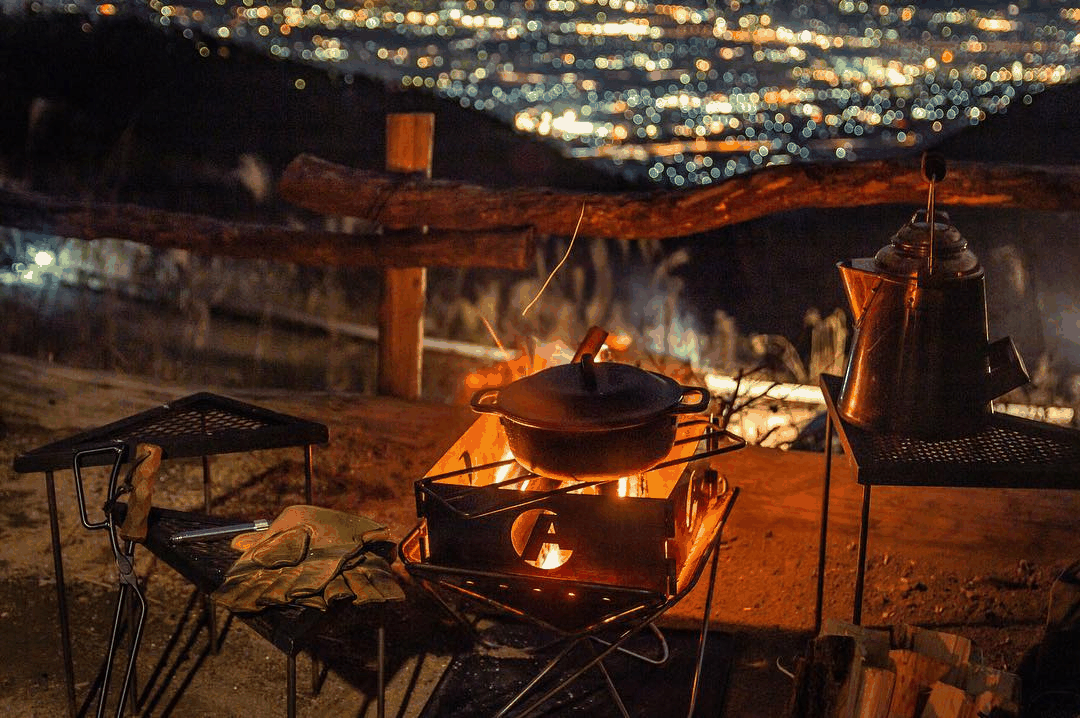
(397, 202)
(496, 247)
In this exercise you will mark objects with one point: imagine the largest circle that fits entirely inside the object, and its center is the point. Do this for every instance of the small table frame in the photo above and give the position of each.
(1004, 452)
(199, 425)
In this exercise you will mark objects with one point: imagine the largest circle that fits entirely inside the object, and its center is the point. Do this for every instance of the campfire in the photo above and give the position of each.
(581, 476)
(485, 511)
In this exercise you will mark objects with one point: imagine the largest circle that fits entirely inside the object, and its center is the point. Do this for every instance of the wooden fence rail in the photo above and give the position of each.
(429, 223)
(498, 247)
(395, 201)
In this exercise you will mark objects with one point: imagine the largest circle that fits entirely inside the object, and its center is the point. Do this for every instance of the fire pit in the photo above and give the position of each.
(595, 559)
(486, 512)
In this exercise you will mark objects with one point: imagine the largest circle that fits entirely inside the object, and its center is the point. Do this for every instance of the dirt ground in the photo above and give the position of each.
(980, 564)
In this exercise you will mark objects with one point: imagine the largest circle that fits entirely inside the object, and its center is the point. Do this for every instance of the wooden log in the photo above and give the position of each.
(503, 247)
(915, 673)
(947, 701)
(409, 144)
(821, 680)
(873, 644)
(949, 648)
(875, 692)
(410, 201)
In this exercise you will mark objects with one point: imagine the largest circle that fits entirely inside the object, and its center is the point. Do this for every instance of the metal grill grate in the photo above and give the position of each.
(993, 445)
(202, 424)
(192, 422)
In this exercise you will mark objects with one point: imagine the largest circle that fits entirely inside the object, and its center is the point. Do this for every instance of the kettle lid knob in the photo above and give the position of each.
(933, 166)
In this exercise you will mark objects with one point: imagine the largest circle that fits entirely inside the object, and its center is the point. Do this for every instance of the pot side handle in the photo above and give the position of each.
(480, 403)
(695, 407)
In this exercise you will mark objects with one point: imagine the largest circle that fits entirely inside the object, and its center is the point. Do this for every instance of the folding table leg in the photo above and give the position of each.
(290, 685)
(208, 603)
(864, 526)
(380, 657)
(823, 536)
(61, 595)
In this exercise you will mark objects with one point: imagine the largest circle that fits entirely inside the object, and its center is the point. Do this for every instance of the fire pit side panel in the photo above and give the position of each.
(593, 538)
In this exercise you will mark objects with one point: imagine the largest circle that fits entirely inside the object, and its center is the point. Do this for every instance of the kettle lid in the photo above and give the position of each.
(908, 252)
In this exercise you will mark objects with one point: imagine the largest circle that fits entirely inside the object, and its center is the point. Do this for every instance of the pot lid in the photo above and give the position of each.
(566, 398)
(908, 253)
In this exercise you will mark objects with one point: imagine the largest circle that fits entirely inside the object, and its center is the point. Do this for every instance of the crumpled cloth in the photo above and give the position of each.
(310, 556)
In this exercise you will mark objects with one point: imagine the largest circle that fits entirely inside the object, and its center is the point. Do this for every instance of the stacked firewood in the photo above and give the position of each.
(905, 672)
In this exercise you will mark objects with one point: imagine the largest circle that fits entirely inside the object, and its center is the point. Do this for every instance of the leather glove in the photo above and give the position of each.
(139, 484)
(304, 549)
(369, 578)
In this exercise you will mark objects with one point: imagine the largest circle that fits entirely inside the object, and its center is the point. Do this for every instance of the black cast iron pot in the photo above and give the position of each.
(591, 421)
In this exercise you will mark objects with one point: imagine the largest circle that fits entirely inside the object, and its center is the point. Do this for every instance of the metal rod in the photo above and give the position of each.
(824, 528)
(610, 684)
(219, 532)
(309, 470)
(61, 594)
(208, 604)
(625, 636)
(132, 681)
(864, 526)
(290, 685)
(380, 657)
(113, 640)
(206, 483)
(695, 683)
(309, 499)
(665, 650)
(737, 442)
(930, 219)
(538, 677)
(136, 639)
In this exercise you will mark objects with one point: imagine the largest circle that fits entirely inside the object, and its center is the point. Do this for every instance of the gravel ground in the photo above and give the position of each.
(764, 596)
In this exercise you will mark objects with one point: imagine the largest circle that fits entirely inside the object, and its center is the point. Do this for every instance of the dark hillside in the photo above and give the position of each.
(125, 112)
(1046, 132)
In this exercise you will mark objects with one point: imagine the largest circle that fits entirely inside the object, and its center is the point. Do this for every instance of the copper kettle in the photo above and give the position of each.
(921, 362)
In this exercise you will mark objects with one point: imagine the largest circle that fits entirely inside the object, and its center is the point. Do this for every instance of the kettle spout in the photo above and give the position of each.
(860, 279)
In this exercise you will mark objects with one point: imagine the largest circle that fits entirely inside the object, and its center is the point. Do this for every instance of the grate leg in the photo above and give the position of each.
(823, 536)
(61, 594)
(380, 657)
(290, 685)
(864, 526)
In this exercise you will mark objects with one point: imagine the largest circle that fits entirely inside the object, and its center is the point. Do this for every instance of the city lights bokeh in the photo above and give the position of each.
(681, 94)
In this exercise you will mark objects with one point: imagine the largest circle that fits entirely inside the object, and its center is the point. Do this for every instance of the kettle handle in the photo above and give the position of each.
(1007, 370)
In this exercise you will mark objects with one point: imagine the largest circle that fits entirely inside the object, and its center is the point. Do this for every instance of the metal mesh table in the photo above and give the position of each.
(1004, 452)
(199, 425)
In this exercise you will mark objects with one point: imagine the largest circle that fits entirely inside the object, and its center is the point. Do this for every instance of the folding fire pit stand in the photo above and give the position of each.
(201, 425)
(628, 549)
(1006, 452)
(626, 611)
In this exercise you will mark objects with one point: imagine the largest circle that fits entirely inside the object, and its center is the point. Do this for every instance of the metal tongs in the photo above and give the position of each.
(124, 555)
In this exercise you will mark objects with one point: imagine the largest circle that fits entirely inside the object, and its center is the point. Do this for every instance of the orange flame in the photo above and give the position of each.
(551, 557)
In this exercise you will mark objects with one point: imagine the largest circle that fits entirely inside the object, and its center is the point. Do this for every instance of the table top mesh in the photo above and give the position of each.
(201, 424)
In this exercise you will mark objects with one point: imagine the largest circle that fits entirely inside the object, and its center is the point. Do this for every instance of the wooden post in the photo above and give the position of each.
(409, 141)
